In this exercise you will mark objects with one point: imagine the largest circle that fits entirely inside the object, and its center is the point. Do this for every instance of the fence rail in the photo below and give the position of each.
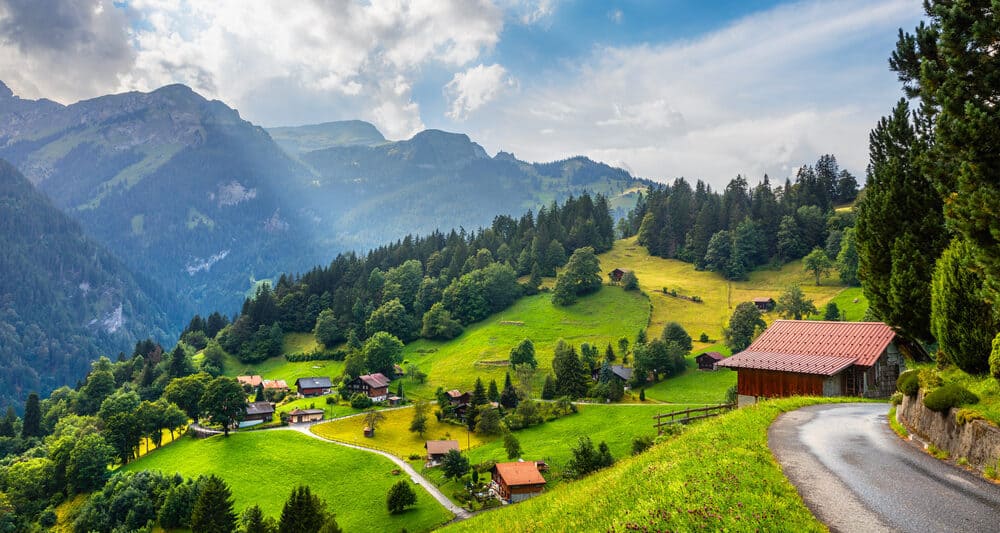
(688, 415)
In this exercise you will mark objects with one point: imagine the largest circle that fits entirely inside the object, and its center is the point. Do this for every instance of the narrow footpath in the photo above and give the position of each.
(460, 513)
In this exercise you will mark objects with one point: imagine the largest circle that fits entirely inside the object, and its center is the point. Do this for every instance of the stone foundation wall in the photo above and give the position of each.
(977, 441)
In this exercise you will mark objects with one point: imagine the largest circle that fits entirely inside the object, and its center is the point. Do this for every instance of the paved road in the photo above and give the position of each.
(460, 513)
(855, 474)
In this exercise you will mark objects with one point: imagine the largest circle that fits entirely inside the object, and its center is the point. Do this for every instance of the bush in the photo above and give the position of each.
(951, 395)
(361, 401)
(317, 355)
(908, 382)
(995, 358)
(400, 497)
(896, 398)
(641, 444)
(703, 337)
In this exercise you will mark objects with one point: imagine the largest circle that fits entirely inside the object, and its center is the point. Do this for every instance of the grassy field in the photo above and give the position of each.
(331, 410)
(597, 319)
(717, 476)
(279, 368)
(297, 343)
(263, 467)
(719, 296)
(551, 442)
(393, 434)
(695, 386)
(853, 310)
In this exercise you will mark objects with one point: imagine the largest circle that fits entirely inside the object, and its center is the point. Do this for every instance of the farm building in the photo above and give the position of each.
(299, 416)
(806, 357)
(708, 360)
(515, 482)
(275, 384)
(375, 386)
(765, 304)
(258, 412)
(249, 381)
(460, 401)
(317, 386)
(618, 371)
(397, 371)
(617, 274)
(437, 449)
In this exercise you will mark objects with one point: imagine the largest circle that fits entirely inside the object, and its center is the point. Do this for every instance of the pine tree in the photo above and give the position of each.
(896, 254)
(479, 394)
(8, 422)
(493, 394)
(213, 510)
(961, 319)
(609, 354)
(304, 512)
(254, 521)
(549, 388)
(571, 379)
(32, 424)
(508, 397)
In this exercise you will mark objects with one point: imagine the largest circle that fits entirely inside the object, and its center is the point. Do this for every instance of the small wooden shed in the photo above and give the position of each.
(617, 274)
(708, 360)
(437, 449)
(764, 303)
(300, 416)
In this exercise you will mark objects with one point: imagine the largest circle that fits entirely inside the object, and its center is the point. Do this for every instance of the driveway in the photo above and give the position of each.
(855, 474)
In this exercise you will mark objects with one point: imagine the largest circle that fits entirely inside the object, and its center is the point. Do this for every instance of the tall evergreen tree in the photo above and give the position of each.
(32, 423)
(304, 512)
(508, 397)
(479, 394)
(8, 422)
(493, 393)
(213, 510)
(962, 321)
(896, 253)
(571, 379)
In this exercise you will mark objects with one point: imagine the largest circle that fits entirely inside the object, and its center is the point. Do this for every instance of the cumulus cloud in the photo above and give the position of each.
(63, 49)
(765, 94)
(468, 91)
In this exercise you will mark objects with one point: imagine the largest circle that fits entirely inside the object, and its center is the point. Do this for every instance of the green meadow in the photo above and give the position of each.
(695, 386)
(483, 348)
(263, 467)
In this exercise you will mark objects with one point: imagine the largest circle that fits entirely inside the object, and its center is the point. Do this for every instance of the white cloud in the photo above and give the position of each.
(468, 91)
(616, 16)
(765, 94)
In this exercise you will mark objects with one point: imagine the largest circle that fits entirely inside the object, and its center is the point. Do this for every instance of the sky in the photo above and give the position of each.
(662, 88)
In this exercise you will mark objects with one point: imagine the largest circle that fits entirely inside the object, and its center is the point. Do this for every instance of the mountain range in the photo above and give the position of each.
(202, 204)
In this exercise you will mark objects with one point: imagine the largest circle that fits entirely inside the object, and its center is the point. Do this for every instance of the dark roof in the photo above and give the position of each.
(375, 381)
(814, 347)
(622, 270)
(313, 383)
(713, 355)
(520, 473)
(622, 372)
(763, 300)
(259, 408)
(436, 447)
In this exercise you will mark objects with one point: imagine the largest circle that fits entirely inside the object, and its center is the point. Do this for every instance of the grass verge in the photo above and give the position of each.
(895, 425)
(717, 476)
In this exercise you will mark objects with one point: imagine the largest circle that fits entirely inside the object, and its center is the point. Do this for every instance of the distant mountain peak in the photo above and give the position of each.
(5, 91)
(298, 140)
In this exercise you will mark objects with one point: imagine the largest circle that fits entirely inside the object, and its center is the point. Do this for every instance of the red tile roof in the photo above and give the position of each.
(253, 381)
(275, 384)
(520, 473)
(814, 347)
(375, 381)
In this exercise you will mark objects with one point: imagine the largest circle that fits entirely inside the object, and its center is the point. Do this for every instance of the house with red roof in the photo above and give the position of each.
(375, 386)
(514, 482)
(816, 358)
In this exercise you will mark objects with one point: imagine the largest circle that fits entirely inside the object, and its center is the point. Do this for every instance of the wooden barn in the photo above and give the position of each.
(257, 412)
(617, 274)
(515, 482)
(375, 386)
(764, 304)
(317, 386)
(807, 357)
(708, 360)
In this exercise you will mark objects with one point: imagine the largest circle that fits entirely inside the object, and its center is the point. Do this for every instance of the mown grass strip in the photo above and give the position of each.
(717, 476)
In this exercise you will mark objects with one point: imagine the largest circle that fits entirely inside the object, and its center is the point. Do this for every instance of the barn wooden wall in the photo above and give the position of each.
(770, 383)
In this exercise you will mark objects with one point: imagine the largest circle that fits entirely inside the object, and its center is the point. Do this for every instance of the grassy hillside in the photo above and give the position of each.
(393, 435)
(695, 386)
(719, 296)
(597, 319)
(719, 475)
(263, 467)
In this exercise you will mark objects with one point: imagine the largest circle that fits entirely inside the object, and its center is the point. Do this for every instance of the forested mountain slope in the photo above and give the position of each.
(64, 299)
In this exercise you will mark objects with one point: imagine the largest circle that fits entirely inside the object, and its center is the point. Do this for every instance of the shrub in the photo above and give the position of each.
(703, 337)
(415, 457)
(330, 400)
(641, 444)
(929, 379)
(361, 401)
(990, 472)
(964, 416)
(317, 355)
(908, 382)
(896, 398)
(995, 358)
(948, 396)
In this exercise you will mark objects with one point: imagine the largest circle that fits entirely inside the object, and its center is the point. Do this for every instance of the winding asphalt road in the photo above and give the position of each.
(855, 474)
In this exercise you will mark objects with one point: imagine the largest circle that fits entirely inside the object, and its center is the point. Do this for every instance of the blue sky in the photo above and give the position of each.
(664, 88)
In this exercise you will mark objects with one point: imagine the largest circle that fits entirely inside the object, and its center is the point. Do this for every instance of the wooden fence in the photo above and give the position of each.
(687, 415)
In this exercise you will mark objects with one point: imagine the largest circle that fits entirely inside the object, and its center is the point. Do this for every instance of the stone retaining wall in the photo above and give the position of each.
(977, 441)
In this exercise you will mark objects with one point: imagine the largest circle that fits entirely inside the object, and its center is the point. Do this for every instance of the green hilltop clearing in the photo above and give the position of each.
(262, 467)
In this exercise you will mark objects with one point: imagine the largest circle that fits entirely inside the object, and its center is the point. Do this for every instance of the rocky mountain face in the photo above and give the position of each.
(64, 299)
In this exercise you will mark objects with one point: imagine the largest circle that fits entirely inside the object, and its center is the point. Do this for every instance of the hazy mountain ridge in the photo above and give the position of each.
(64, 299)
